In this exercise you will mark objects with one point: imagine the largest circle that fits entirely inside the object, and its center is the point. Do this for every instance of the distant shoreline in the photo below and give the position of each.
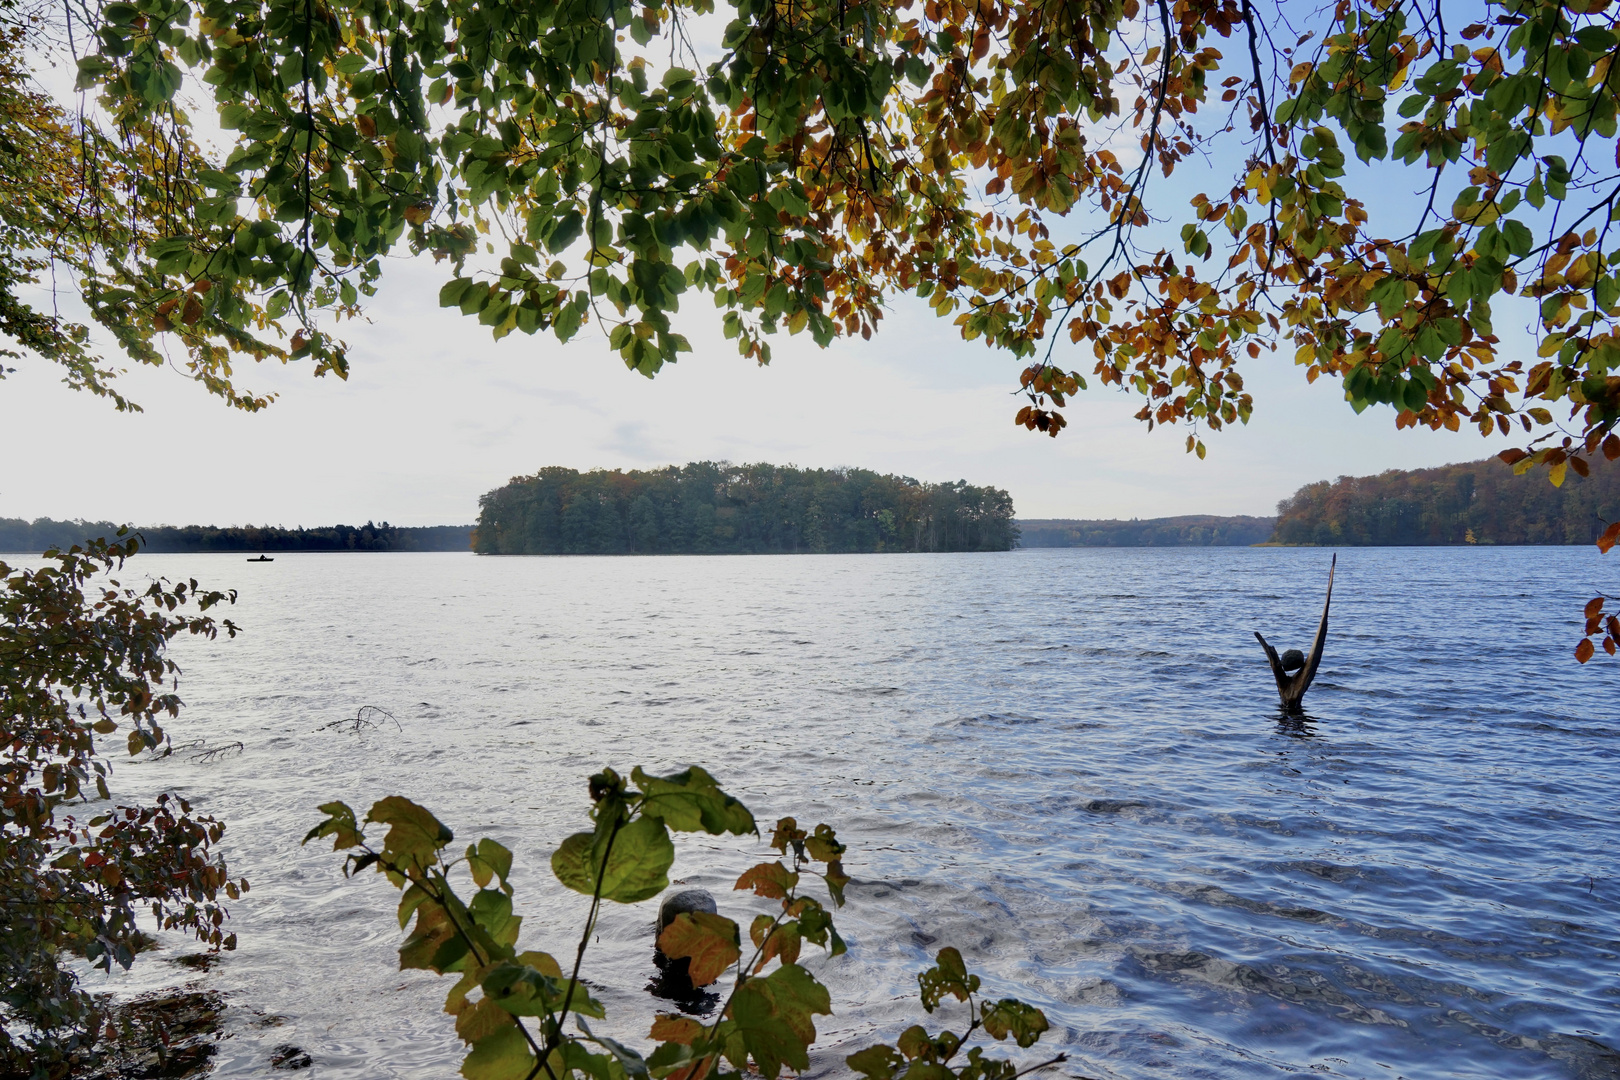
(18, 536)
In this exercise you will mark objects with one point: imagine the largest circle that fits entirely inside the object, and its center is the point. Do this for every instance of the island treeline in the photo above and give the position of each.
(1191, 531)
(32, 537)
(721, 508)
(1477, 502)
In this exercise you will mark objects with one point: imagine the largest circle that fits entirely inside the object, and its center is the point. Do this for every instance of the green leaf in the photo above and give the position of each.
(637, 863)
(503, 1055)
(1025, 1023)
(631, 1061)
(532, 985)
(691, 800)
(488, 860)
(876, 1062)
(339, 824)
(415, 837)
(452, 291)
(491, 911)
(949, 975)
(774, 1014)
(565, 232)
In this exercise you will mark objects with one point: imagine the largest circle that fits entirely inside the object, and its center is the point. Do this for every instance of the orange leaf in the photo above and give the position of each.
(1594, 606)
(675, 1029)
(772, 880)
(1610, 537)
(710, 942)
(1584, 651)
(1513, 456)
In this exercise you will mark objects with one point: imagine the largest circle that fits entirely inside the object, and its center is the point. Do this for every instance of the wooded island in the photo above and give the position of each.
(720, 508)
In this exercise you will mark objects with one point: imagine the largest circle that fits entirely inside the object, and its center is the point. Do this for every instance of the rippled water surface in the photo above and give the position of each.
(1067, 763)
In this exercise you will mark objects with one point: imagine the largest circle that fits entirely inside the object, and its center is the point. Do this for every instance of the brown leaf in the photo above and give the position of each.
(1594, 606)
(481, 1019)
(1584, 651)
(710, 942)
(675, 1029)
(770, 880)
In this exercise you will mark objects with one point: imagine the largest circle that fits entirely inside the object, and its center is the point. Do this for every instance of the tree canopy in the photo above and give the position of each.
(805, 162)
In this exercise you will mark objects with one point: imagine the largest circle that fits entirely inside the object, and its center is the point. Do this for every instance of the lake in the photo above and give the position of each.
(1068, 763)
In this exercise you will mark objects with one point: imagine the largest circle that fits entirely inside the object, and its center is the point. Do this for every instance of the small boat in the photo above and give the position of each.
(262, 558)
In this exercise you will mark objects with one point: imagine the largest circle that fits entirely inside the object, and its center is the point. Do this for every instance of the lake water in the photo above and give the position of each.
(1067, 763)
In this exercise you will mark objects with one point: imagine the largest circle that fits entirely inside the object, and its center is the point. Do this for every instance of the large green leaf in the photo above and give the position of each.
(532, 985)
(415, 837)
(1024, 1023)
(504, 1055)
(637, 863)
(876, 1062)
(949, 975)
(774, 1015)
(690, 801)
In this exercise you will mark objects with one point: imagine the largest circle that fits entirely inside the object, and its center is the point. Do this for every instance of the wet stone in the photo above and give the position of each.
(289, 1057)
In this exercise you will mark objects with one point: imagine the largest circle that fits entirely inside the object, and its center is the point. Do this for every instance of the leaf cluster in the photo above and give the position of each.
(513, 1007)
(83, 656)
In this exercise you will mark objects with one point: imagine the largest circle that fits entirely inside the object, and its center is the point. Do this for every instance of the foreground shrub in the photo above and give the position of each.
(80, 658)
(512, 1007)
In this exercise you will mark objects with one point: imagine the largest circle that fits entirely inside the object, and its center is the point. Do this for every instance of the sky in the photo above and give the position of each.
(435, 413)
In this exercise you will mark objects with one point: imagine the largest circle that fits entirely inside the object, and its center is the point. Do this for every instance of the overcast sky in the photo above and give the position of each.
(435, 414)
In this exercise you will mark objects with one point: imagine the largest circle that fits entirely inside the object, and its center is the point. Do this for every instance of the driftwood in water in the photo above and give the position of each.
(1291, 687)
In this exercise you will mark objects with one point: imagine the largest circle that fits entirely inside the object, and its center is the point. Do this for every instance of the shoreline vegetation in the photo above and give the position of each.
(1477, 502)
(18, 536)
(719, 508)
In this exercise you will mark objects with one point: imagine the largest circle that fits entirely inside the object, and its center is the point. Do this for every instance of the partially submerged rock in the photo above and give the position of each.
(161, 1036)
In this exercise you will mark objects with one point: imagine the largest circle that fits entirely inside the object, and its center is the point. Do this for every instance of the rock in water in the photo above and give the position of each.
(687, 900)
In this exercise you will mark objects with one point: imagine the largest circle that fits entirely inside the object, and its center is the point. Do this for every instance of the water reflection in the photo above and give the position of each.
(1295, 724)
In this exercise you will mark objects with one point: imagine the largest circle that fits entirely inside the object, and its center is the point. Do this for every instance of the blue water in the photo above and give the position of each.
(1069, 764)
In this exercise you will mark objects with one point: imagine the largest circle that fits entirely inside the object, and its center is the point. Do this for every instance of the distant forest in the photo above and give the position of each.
(1194, 531)
(33, 537)
(1478, 502)
(720, 508)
